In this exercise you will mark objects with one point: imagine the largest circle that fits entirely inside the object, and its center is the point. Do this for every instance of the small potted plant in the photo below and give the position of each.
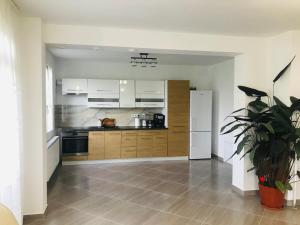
(270, 135)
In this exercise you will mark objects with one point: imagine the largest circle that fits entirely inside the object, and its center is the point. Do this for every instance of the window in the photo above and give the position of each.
(49, 99)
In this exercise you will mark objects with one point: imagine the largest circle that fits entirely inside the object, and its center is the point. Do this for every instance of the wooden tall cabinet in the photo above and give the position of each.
(96, 145)
(178, 117)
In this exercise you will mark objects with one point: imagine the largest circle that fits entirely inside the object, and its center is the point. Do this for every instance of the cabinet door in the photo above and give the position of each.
(150, 89)
(127, 94)
(74, 86)
(96, 145)
(112, 144)
(160, 144)
(178, 117)
(103, 93)
(144, 144)
(103, 88)
(128, 145)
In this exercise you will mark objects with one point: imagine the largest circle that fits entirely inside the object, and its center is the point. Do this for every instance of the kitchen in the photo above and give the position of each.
(144, 119)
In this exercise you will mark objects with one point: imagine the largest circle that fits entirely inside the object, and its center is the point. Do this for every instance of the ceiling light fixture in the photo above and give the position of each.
(143, 60)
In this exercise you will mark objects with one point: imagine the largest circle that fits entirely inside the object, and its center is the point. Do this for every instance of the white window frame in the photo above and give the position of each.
(49, 99)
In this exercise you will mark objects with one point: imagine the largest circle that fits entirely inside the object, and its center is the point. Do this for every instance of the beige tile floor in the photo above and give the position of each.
(153, 193)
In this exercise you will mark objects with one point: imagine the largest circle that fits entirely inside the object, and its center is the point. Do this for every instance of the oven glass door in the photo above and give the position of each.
(75, 145)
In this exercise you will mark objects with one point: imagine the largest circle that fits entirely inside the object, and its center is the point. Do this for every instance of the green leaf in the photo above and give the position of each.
(228, 124)
(253, 168)
(240, 134)
(293, 99)
(277, 147)
(250, 150)
(288, 186)
(297, 149)
(242, 144)
(252, 92)
(269, 127)
(279, 102)
(298, 132)
(280, 186)
(238, 110)
(235, 127)
(280, 74)
(258, 105)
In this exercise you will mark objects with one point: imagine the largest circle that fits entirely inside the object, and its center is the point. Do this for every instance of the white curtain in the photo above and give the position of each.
(10, 158)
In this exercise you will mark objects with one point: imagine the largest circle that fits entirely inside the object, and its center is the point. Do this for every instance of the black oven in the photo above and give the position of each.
(74, 142)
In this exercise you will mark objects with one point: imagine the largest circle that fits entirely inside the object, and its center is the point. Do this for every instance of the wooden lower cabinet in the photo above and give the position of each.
(160, 144)
(178, 143)
(113, 144)
(127, 144)
(96, 145)
(144, 144)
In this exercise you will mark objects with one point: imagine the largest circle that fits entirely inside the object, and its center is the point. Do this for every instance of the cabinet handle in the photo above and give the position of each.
(74, 90)
(145, 138)
(150, 104)
(128, 139)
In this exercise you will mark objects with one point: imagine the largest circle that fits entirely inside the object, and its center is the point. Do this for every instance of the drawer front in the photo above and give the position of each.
(144, 150)
(160, 139)
(160, 150)
(129, 140)
(112, 153)
(145, 141)
(128, 152)
(96, 134)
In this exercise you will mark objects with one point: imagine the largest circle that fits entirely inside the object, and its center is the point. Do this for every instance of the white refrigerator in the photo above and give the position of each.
(200, 124)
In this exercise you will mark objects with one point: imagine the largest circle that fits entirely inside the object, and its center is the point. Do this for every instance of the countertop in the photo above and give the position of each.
(96, 128)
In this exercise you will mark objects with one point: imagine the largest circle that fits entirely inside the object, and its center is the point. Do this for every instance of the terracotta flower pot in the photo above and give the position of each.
(271, 197)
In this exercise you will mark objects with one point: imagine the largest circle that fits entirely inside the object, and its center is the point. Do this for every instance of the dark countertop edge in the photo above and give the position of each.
(113, 129)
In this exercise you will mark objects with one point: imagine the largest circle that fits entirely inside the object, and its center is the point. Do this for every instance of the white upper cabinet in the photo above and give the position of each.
(150, 94)
(127, 94)
(103, 93)
(74, 86)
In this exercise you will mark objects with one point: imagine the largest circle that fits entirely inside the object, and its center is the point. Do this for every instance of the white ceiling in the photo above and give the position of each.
(235, 17)
(123, 55)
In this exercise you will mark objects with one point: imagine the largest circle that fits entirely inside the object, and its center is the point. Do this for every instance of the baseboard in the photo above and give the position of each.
(214, 156)
(54, 174)
(33, 217)
(244, 193)
(87, 162)
(291, 202)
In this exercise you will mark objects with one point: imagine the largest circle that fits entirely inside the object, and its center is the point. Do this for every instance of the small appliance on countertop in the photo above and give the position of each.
(108, 122)
(158, 120)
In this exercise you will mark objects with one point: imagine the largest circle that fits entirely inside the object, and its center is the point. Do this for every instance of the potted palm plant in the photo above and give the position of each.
(270, 135)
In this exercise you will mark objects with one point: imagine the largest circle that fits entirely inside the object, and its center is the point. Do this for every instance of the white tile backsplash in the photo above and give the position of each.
(82, 116)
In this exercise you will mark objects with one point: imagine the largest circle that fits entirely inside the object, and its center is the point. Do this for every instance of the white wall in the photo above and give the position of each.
(33, 99)
(50, 61)
(281, 50)
(222, 86)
